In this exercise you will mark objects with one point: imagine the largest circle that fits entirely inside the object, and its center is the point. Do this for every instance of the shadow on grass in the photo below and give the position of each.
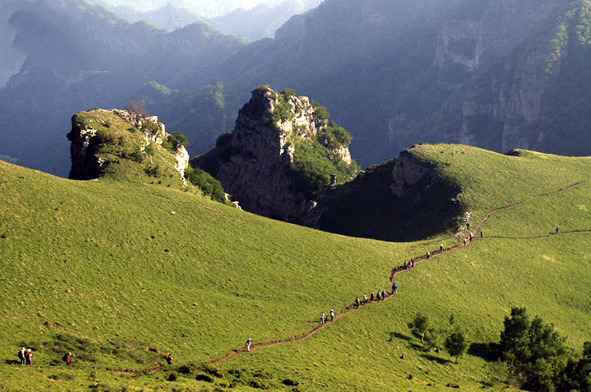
(398, 335)
(12, 362)
(441, 361)
(490, 352)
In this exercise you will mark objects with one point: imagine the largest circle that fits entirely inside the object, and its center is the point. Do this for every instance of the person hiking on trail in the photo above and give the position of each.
(471, 236)
(481, 234)
(394, 288)
(248, 343)
(383, 293)
(372, 297)
(468, 226)
(441, 248)
(322, 318)
(332, 315)
(67, 358)
(357, 302)
(428, 254)
(557, 230)
(411, 263)
(28, 356)
(364, 299)
(21, 356)
(378, 295)
(169, 359)
(465, 242)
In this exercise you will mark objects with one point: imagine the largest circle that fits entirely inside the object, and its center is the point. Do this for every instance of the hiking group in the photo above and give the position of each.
(25, 355)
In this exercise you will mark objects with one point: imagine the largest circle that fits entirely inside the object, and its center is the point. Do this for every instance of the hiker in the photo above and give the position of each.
(332, 315)
(557, 230)
(411, 263)
(248, 343)
(394, 288)
(441, 248)
(322, 318)
(383, 293)
(21, 356)
(465, 242)
(481, 234)
(28, 356)
(378, 295)
(356, 302)
(67, 358)
(468, 226)
(364, 299)
(470, 236)
(372, 297)
(428, 254)
(169, 359)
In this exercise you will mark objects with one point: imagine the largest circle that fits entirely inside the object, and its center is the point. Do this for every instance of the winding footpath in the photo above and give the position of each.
(296, 334)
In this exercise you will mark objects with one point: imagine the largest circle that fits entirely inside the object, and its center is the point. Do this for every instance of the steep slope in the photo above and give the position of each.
(122, 273)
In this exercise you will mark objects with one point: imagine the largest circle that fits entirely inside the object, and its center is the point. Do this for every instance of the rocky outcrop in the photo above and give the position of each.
(258, 162)
(85, 164)
(92, 133)
(401, 200)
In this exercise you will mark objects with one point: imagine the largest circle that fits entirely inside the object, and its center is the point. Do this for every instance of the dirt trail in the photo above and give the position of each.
(345, 311)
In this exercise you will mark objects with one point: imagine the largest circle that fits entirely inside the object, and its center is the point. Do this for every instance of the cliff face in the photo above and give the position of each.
(512, 103)
(279, 156)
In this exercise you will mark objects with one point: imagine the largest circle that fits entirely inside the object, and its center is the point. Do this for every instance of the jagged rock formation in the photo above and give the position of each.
(281, 154)
(101, 138)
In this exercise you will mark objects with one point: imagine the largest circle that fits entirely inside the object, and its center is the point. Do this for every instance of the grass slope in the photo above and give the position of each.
(122, 273)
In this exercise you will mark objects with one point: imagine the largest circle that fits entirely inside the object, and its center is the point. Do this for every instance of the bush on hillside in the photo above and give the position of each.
(208, 185)
(456, 344)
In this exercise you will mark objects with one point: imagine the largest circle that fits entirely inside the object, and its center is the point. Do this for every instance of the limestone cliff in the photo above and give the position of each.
(281, 154)
(519, 60)
(124, 144)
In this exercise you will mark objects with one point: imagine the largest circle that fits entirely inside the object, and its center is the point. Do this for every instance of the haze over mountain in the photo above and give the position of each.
(201, 8)
(493, 74)
(11, 59)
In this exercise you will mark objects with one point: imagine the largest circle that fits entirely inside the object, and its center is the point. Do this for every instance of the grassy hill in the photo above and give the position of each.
(121, 273)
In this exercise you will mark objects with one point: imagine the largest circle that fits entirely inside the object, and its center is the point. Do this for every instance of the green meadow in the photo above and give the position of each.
(122, 272)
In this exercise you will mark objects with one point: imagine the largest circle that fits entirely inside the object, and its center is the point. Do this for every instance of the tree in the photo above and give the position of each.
(137, 108)
(178, 139)
(514, 339)
(456, 344)
(534, 350)
(419, 326)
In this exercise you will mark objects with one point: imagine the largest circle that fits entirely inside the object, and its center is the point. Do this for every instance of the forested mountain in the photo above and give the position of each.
(496, 74)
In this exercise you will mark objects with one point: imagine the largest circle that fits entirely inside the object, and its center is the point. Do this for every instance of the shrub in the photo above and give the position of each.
(320, 112)
(152, 127)
(208, 185)
(178, 139)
